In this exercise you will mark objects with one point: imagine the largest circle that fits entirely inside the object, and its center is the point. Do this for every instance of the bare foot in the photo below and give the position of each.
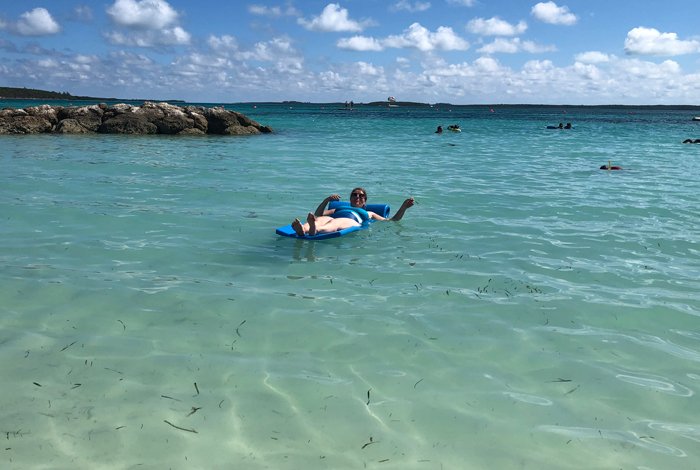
(311, 219)
(296, 225)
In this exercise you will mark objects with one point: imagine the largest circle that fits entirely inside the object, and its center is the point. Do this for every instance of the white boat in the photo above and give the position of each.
(696, 118)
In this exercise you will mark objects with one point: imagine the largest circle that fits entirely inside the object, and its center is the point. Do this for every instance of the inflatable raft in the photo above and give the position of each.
(340, 207)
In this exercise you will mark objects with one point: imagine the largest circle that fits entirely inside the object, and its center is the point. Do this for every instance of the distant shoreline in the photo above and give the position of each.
(10, 94)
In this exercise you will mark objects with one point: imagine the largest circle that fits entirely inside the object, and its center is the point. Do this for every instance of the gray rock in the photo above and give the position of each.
(24, 125)
(127, 123)
(89, 117)
(70, 126)
(122, 118)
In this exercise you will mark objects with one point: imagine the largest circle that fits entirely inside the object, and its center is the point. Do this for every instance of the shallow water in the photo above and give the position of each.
(531, 311)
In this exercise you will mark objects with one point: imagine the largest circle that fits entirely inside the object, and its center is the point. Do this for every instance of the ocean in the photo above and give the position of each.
(531, 311)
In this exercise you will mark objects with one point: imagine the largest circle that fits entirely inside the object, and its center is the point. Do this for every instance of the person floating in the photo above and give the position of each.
(439, 130)
(333, 220)
(610, 166)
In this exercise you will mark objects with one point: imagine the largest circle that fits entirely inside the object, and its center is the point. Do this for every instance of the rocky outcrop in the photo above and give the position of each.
(121, 118)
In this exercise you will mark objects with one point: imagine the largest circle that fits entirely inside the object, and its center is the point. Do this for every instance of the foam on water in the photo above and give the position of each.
(531, 311)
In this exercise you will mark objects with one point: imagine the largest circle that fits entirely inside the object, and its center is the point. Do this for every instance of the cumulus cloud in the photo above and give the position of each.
(495, 27)
(550, 12)
(278, 51)
(166, 37)
(592, 57)
(587, 71)
(412, 7)
(366, 68)
(146, 14)
(513, 46)
(335, 19)
(360, 43)
(146, 23)
(222, 44)
(649, 41)
(414, 37)
(275, 11)
(419, 37)
(37, 22)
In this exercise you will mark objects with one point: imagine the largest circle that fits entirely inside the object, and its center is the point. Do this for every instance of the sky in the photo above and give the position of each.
(455, 51)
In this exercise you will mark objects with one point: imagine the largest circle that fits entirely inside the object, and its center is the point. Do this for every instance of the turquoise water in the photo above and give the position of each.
(530, 311)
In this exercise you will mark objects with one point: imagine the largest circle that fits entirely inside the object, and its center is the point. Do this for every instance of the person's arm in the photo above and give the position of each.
(399, 214)
(321, 209)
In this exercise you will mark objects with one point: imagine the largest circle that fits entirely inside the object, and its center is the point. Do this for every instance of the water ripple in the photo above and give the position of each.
(626, 437)
(651, 341)
(659, 384)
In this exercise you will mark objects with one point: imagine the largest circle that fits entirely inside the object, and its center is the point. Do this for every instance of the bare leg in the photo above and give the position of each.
(311, 220)
(321, 224)
(296, 225)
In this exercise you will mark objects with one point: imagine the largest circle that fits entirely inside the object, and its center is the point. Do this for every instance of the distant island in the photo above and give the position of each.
(34, 94)
(11, 93)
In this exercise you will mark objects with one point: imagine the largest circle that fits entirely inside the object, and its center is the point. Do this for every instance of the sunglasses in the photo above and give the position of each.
(359, 195)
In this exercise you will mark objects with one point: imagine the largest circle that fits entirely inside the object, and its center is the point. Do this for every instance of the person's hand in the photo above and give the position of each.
(334, 197)
(409, 202)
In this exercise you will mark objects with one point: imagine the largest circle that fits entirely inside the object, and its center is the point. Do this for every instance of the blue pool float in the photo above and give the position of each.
(342, 209)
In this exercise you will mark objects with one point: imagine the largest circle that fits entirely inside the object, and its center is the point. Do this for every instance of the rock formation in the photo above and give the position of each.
(120, 118)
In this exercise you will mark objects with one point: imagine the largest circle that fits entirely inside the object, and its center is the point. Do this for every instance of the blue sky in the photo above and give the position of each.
(457, 51)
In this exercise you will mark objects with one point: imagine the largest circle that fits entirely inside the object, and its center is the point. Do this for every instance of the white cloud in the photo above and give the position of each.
(365, 68)
(146, 14)
(514, 45)
(412, 7)
(549, 12)
(82, 13)
(37, 22)
(418, 37)
(333, 18)
(48, 63)
(275, 11)
(167, 37)
(278, 51)
(495, 27)
(147, 23)
(649, 71)
(592, 57)
(268, 51)
(223, 43)
(360, 43)
(464, 3)
(649, 41)
(414, 37)
(487, 65)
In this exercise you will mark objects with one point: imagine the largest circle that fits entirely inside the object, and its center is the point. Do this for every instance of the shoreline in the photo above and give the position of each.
(401, 104)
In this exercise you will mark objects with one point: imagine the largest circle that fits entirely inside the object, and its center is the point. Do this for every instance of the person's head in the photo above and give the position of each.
(358, 197)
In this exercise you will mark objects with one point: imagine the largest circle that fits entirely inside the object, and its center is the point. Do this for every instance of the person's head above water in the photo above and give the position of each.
(358, 197)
